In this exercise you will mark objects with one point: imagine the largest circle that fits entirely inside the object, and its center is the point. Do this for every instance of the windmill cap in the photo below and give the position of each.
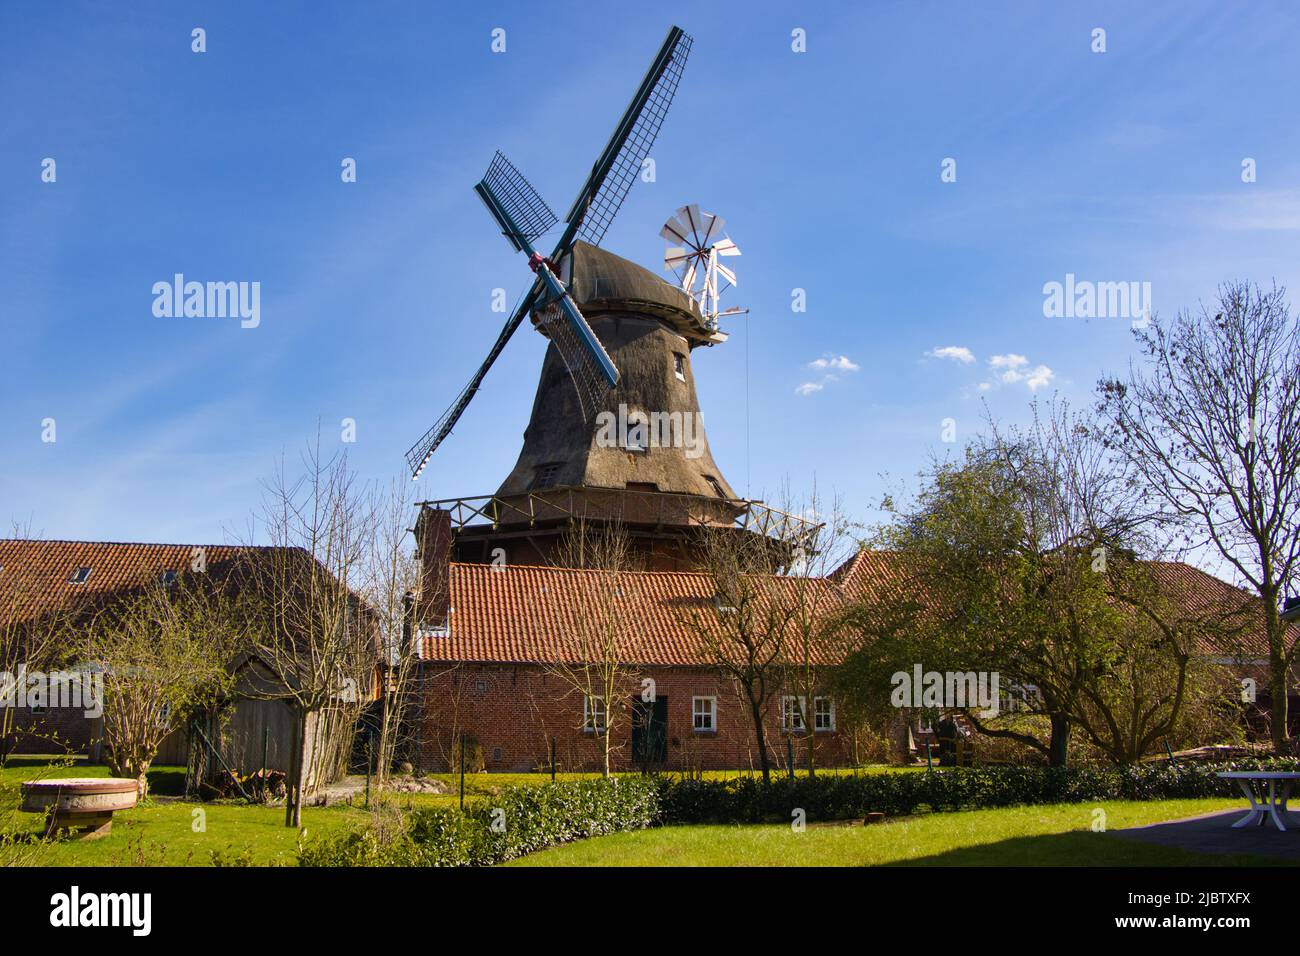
(602, 281)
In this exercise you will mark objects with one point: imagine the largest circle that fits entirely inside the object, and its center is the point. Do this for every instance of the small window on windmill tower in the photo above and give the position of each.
(716, 486)
(679, 366)
(546, 475)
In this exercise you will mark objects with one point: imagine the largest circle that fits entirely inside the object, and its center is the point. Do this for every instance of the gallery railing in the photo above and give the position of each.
(655, 508)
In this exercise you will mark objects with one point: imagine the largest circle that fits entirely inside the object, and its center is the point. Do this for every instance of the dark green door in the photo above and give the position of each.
(649, 732)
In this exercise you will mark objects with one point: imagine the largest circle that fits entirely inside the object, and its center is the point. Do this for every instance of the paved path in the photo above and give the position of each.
(1213, 833)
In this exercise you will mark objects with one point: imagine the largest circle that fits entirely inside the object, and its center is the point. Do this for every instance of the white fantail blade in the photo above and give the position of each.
(726, 248)
(674, 256)
(726, 273)
(692, 217)
(712, 228)
(675, 230)
(688, 280)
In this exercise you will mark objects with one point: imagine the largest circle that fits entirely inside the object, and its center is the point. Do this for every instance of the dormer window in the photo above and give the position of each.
(79, 576)
(546, 475)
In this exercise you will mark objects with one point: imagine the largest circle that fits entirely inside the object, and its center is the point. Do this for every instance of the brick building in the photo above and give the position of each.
(494, 650)
(495, 672)
(48, 591)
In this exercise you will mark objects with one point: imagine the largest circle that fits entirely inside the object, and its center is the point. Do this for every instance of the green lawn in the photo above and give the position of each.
(1058, 835)
(166, 831)
(163, 830)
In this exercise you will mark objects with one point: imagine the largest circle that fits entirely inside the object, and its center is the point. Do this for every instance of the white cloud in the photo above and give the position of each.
(958, 353)
(828, 364)
(1014, 370)
(1039, 377)
(840, 363)
(1010, 360)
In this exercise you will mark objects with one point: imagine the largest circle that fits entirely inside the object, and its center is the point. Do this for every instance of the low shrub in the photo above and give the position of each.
(840, 796)
(525, 819)
(520, 820)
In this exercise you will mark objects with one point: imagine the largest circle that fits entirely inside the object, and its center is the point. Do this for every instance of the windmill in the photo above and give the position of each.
(524, 217)
(703, 241)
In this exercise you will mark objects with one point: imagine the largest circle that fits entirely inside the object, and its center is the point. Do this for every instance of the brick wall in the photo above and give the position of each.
(55, 730)
(514, 710)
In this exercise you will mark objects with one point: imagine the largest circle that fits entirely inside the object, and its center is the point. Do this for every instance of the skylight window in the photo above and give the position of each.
(79, 576)
(167, 578)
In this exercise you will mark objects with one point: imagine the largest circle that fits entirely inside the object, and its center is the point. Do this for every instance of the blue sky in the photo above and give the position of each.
(376, 295)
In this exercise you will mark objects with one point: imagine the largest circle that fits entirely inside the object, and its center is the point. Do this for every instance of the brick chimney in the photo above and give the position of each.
(433, 536)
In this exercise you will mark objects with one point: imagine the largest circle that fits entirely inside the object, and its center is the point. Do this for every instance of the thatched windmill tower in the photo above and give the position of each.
(616, 432)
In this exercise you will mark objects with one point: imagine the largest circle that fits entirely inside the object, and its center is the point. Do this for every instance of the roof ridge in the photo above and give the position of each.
(498, 568)
(146, 544)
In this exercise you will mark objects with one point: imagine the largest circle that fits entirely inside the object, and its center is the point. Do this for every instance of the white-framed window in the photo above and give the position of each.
(593, 715)
(704, 714)
(792, 713)
(823, 714)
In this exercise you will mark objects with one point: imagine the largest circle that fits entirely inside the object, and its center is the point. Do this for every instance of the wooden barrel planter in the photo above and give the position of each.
(83, 805)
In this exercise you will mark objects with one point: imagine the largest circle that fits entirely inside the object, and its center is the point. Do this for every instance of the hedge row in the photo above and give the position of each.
(841, 797)
(521, 820)
(526, 819)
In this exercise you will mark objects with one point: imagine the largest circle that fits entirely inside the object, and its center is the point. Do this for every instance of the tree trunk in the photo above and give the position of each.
(1277, 685)
(294, 788)
(1059, 746)
(760, 735)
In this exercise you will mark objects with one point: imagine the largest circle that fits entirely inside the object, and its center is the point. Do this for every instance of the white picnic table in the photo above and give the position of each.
(1261, 803)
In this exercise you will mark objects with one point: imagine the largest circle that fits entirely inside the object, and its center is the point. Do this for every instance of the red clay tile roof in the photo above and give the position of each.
(523, 614)
(37, 573)
(528, 614)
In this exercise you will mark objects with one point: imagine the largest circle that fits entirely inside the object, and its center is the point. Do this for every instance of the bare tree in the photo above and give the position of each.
(391, 581)
(162, 652)
(317, 639)
(815, 644)
(33, 632)
(1211, 422)
(604, 612)
(744, 630)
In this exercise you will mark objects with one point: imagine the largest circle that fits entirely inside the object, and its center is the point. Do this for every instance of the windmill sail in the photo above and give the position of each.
(619, 164)
(524, 217)
(514, 194)
(418, 455)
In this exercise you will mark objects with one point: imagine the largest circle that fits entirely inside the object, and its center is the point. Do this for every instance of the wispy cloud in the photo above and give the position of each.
(1013, 369)
(958, 353)
(828, 364)
(840, 363)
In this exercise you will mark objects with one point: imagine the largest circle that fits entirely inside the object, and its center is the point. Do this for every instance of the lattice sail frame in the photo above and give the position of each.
(520, 200)
(588, 381)
(609, 197)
